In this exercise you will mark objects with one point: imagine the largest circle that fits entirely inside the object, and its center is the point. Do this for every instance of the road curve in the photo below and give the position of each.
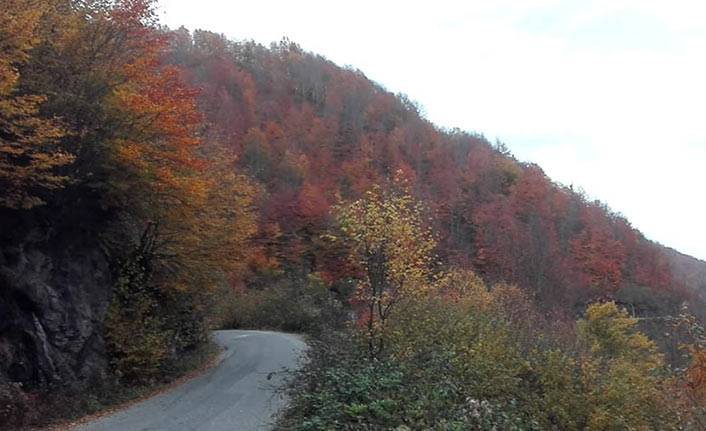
(235, 395)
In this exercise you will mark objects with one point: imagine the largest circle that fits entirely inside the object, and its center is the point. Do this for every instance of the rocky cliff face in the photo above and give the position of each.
(54, 293)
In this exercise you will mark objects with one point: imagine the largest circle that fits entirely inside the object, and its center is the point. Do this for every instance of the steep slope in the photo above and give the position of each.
(54, 292)
(312, 133)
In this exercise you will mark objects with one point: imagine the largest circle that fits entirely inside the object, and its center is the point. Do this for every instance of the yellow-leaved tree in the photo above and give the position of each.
(28, 151)
(393, 249)
(622, 373)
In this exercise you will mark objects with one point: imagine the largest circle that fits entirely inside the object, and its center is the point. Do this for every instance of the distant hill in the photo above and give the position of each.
(310, 132)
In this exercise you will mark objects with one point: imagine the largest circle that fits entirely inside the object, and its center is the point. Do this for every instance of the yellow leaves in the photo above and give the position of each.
(621, 371)
(466, 286)
(696, 373)
(28, 153)
(211, 226)
(387, 227)
(612, 332)
(393, 248)
(19, 20)
(130, 153)
(158, 171)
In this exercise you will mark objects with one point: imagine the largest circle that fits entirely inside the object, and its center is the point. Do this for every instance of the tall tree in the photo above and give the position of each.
(28, 141)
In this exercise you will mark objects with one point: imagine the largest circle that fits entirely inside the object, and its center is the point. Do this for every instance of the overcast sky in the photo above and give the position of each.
(606, 95)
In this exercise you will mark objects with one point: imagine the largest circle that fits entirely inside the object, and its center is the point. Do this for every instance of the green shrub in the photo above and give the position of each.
(484, 360)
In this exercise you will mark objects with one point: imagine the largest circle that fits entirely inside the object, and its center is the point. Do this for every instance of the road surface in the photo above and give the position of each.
(235, 395)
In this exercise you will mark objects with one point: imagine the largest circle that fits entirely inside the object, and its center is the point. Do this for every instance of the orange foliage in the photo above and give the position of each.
(28, 142)
(320, 132)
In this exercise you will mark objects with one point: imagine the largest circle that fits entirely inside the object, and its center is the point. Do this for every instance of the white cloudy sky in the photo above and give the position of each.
(605, 95)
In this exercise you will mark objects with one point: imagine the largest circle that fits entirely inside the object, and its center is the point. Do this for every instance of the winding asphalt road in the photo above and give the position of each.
(238, 394)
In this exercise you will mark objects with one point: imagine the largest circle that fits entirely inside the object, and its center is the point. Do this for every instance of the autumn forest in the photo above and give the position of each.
(156, 184)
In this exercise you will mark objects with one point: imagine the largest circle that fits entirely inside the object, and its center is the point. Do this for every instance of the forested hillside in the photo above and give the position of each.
(156, 184)
(311, 133)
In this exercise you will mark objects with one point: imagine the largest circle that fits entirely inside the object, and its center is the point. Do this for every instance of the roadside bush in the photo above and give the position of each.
(341, 389)
(289, 305)
(135, 335)
(149, 328)
(475, 361)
